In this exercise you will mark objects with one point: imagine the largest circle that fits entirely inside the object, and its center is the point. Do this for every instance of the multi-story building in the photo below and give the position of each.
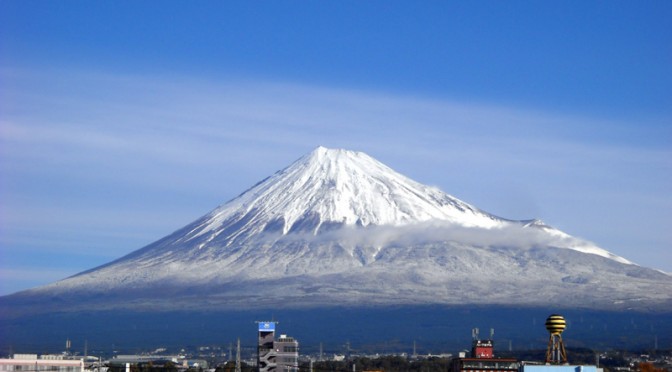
(287, 354)
(482, 359)
(281, 355)
(265, 350)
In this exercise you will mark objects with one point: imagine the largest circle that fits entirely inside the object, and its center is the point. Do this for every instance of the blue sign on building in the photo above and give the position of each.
(267, 326)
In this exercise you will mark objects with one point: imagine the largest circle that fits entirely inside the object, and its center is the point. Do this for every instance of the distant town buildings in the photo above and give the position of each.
(281, 354)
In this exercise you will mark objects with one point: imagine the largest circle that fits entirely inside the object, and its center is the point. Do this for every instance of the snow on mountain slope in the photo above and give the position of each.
(586, 247)
(335, 187)
(339, 224)
(338, 187)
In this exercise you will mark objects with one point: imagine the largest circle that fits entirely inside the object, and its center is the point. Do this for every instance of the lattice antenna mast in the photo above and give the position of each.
(555, 353)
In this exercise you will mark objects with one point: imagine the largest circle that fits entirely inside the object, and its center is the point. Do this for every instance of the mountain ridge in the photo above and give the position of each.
(337, 226)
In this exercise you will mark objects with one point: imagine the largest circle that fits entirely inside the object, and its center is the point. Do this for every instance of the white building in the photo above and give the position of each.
(30, 362)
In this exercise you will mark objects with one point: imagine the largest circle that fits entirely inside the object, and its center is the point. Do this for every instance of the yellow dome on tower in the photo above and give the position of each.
(555, 324)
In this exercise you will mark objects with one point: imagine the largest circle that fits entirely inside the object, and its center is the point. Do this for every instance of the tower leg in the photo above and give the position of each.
(549, 350)
(555, 353)
(562, 358)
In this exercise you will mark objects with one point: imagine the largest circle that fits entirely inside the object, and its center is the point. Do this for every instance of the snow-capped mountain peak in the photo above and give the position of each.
(339, 187)
(338, 226)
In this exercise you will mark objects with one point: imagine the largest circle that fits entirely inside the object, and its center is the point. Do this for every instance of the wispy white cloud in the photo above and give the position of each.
(513, 235)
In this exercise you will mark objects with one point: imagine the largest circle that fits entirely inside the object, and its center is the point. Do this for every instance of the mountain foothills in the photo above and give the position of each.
(338, 228)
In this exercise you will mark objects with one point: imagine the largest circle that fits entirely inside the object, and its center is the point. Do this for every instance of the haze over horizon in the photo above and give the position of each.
(121, 122)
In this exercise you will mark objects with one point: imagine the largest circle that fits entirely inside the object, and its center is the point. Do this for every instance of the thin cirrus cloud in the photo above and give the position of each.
(194, 122)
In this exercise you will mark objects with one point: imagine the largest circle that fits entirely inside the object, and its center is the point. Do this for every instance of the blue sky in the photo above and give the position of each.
(122, 121)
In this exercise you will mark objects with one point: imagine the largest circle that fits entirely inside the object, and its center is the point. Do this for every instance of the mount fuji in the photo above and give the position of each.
(339, 228)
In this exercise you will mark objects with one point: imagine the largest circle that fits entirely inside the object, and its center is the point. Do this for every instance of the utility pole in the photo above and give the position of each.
(230, 354)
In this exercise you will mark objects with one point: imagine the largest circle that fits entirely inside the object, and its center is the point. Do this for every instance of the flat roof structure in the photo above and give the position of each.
(51, 365)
